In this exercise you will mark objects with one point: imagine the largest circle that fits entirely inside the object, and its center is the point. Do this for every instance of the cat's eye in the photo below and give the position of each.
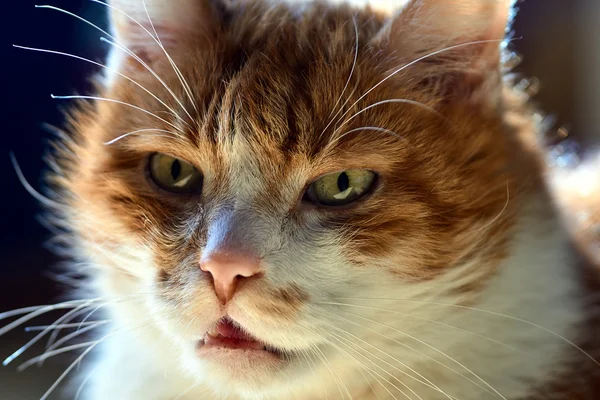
(341, 188)
(174, 175)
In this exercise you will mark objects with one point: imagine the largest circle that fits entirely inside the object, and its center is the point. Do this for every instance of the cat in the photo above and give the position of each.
(313, 200)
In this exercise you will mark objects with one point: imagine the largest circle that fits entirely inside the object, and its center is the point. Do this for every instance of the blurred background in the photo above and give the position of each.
(558, 40)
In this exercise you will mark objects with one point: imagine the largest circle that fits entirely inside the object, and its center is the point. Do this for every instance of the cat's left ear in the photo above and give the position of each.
(460, 41)
(142, 26)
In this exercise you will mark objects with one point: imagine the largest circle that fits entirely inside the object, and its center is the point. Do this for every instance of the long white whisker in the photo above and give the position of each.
(40, 335)
(187, 391)
(140, 131)
(34, 193)
(364, 128)
(25, 310)
(434, 53)
(95, 98)
(84, 382)
(332, 119)
(159, 43)
(149, 69)
(36, 311)
(61, 326)
(425, 381)
(370, 370)
(425, 344)
(444, 325)
(120, 46)
(80, 358)
(73, 335)
(388, 101)
(411, 348)
(524, 321)
(313, 351)
(81, 310)
(53, 353)
(312, 366)
(102, 66)
(340, 384)
(180, 76)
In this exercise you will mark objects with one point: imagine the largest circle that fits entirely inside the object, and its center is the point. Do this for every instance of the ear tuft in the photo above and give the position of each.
(464, 37)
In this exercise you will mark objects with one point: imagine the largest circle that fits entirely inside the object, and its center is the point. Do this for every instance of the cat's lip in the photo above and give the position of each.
(226, 335)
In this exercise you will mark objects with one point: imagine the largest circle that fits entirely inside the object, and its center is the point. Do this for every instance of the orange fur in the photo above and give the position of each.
(275, 96)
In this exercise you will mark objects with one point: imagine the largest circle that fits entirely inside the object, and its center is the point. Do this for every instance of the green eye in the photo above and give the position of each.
(174, 175)
(341, 188)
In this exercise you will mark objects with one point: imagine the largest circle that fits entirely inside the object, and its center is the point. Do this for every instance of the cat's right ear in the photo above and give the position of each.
(144, 27)
(459, 41)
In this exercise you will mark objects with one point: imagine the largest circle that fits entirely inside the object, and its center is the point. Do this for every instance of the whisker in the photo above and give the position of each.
(439, 323)
(25, 310)
(76, 313)
(307, 356)
(73, 335)
(187, 391)
(157, 40)
(425, 382)
(332, 119)
(524, 321)
(336, 377)
(415, 61)
(140, 131)
(389, 101)
(364, 128)
(40, 335)
(180, 76)
(52, 353)
(370, 370)
(102, 66)
(120, 46)
(95, 98)
(80, 358)
(425, 344)
(70, 316)
(61, 326)
(84, 382)
(413, 349)
(313, 351)
(497, 217)
(312, 366)
(34, 193)
(35, 311)
(149, 69)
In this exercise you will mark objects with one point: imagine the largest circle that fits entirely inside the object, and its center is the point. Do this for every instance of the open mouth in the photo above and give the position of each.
(227, 335)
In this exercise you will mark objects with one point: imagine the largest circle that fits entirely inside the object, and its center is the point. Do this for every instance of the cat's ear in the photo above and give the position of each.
(461, 38)
(143, 26)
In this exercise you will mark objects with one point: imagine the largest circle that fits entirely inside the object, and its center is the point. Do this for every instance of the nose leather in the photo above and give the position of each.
(228, 269)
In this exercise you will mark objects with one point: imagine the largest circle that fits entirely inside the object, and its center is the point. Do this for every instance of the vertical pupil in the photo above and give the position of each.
(343, 182)
(175, 169)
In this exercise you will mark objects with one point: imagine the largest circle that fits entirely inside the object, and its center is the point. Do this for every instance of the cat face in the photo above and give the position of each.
(275, 163)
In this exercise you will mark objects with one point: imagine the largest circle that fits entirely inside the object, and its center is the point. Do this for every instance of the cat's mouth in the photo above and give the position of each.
(228, 336)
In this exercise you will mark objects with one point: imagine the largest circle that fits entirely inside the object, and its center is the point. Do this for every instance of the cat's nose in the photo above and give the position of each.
(228, 270)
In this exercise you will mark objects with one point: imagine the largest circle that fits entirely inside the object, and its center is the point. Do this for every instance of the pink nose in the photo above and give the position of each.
(227, 270)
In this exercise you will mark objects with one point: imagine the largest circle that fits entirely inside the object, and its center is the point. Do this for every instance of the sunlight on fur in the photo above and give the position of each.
(312, 200)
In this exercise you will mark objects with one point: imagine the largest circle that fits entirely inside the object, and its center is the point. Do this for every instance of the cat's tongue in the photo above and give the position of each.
(227, 335)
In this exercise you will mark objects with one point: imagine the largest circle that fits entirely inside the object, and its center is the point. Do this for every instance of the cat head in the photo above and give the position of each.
(264, 164)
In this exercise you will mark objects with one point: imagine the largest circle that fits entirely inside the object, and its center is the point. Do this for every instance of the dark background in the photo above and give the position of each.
(557, 41)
